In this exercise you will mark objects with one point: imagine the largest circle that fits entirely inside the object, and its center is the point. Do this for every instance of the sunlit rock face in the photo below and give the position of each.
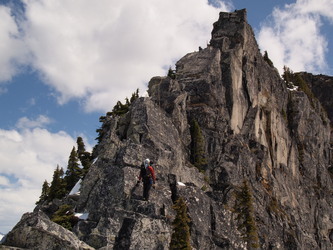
(255, 131)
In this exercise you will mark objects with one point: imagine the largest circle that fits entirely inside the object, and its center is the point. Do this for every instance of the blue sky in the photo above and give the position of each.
(65, 63)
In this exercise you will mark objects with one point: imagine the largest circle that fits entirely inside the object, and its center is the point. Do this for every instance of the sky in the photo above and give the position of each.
(65, 63)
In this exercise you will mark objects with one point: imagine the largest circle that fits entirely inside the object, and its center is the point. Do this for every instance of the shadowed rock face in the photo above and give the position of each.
(254, 129)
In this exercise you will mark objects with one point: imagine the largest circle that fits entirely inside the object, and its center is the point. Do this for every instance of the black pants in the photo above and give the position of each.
(146, 188)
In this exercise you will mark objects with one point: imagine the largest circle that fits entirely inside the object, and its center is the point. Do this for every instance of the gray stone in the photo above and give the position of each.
(255, 130)
(36, 231)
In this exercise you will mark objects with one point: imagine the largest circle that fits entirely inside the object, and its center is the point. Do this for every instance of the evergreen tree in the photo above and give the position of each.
(198, 152)
(73, 172)
(58, 185)
(120, 109)
(171, 73)
(287, 74)
(180, 238)
(45, 193)
(245, 215)
(134, 96)
(84, 156)
(81, 148)
(266, 58)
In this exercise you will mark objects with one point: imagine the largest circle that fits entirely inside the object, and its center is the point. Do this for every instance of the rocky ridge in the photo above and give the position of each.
(256, 131)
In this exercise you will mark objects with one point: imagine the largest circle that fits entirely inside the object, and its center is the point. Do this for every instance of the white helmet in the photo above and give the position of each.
(146, 162)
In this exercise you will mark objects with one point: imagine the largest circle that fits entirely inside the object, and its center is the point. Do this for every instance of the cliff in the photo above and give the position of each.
(266, 182)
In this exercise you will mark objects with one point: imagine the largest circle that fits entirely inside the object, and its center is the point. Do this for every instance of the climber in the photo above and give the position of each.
(147, 176)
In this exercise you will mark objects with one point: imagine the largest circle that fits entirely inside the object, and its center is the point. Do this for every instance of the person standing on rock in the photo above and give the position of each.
(147, 175)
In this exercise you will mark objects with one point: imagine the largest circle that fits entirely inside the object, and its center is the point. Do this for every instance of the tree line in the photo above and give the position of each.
(63, 182)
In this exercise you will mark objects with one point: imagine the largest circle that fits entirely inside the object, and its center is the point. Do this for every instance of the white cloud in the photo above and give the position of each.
(4, 181)
(293, 36)
(28, 156)
(102, 51)
(40, 122)
(12, 48)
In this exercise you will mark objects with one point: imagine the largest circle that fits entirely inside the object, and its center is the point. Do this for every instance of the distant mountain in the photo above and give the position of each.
(243, 159)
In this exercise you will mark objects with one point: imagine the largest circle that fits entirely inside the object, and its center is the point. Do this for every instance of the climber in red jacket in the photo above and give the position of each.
(147, 175)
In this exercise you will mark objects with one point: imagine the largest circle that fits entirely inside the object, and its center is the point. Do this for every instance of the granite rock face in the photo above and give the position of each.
(36, 231)
(256, 131)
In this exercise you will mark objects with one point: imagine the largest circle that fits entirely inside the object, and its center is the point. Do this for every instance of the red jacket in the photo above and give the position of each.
(151, 173)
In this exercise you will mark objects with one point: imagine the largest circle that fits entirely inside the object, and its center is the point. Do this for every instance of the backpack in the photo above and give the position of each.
(145, 174)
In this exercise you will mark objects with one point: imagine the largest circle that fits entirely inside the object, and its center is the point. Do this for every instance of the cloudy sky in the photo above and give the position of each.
(64, 63)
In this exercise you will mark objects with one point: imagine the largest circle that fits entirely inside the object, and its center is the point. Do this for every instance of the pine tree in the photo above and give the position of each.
(81, 148)
(245, 215)
(73, 172)
(171, 73)
(45, 193)
(58, 185)
(198, 153)
(84, 156)
(266, 58)
(180, 238)
(134, 96)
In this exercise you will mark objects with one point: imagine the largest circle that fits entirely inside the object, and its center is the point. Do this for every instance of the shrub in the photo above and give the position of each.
(64, 216)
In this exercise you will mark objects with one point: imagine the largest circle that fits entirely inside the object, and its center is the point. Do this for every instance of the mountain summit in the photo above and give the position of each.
(242, 157)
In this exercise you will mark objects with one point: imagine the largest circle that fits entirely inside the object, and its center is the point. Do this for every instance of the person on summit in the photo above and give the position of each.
(147, 176)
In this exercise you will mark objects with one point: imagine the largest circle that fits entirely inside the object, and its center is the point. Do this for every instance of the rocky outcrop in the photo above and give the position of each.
(36, 231)
(322, 88)
(263, 141)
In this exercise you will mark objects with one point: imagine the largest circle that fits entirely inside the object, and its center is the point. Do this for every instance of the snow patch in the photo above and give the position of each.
(95, 160)
(82, 216)
(1, 237)
(76, 189)
(180, 183)
(292, 87)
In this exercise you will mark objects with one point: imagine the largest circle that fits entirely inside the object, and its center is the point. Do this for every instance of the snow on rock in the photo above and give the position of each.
(180, 183)
(95, 160)
(82, 216)
(1, 237)
(76, 189)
